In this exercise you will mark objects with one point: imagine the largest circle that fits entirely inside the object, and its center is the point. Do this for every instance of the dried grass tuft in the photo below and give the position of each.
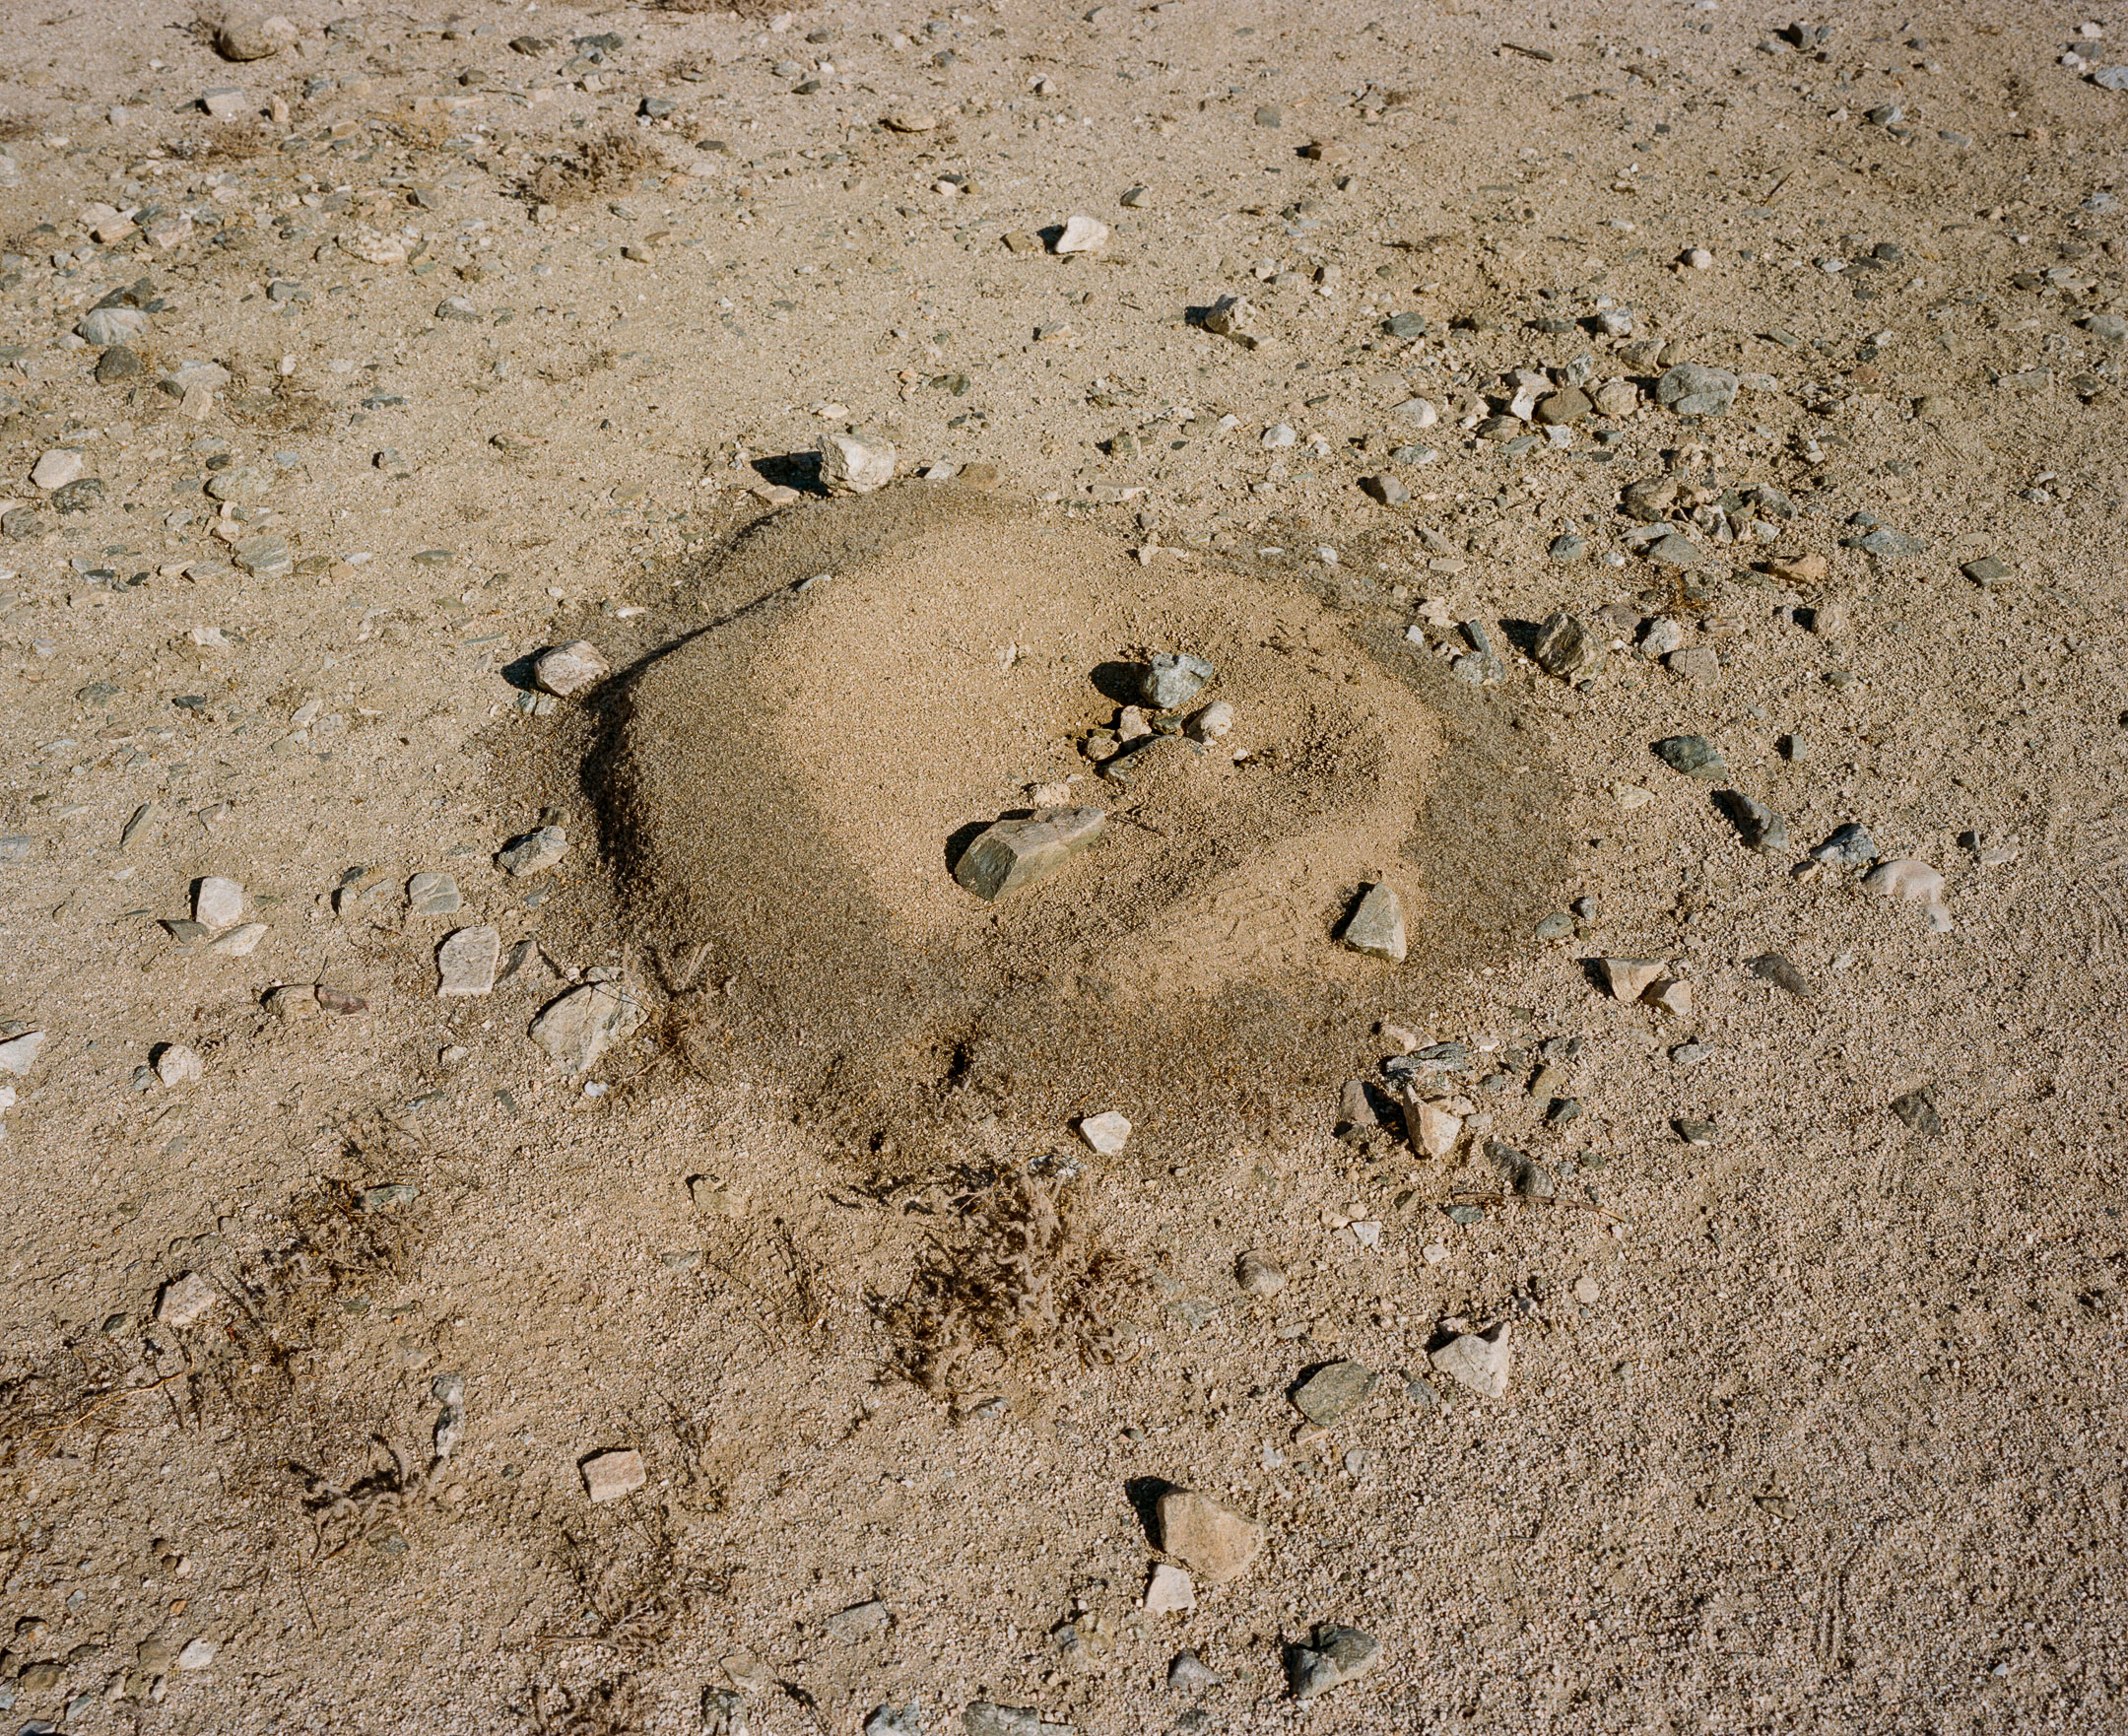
(607, 163)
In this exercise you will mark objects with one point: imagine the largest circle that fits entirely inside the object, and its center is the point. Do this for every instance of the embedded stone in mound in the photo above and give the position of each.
(1174, 678)
(1015, 854)
(1376, 927)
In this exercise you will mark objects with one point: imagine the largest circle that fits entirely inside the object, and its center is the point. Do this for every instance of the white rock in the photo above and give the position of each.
(240, 942)
(371, 247)
(850, 465)
(1278, 435)
(1478, 1361)
(1914, 881)
(184, 1299)
(466, 962)
(568, 670)
(1212, 722)
(1171, 1591)
(105, 326)
(608, 1476)
(1699, 260)
(17, 1054)
(176, 1065)
(1418, 412)
(1083, 234)
(226, 102)
(218, 904)
(197, 1654)
(1432, 1128)
(1628, 978)
(582, 1025)
(57, 468)
(1107, 1133)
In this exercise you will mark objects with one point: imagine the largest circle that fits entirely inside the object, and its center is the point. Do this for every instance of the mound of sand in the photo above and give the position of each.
(792, 786)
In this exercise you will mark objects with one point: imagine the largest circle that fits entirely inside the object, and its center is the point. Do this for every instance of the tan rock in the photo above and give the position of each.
(1212, 1540)
(1628, 978)
(608, 1476)
(1476, 1359)
(1432, 1128)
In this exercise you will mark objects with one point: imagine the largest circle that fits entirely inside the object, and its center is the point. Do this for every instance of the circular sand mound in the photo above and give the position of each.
(794, 785)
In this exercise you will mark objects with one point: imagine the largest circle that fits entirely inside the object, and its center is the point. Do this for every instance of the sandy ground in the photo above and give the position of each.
(453, 337)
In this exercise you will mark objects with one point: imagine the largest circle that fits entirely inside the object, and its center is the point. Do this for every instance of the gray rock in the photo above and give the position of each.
(533, 852)
(106, 326)
(1761, 829)
(1172, 679)
(895, 1720)
(241, 483)
(1691, 389)
(1673, 550)
(1988, 569)
(1698, 664)
(1387, 490)
(1566, 649)
(1566, 548)
(1332, 1390)
(466, 962)
(984, 1717)
(1849, 846)
(429, 894)
(267, 556)
(1917, 1110)
(852, 465)
(582, 1025)
(1376, 927)
(1405, 325)
(724, 1712)
(1259, 1275)
(1660, 637)
(2112, 78)
(571, 669)
(1775, 969)
(17, 847)
(1017, 853)
(2107, 328)
(19, 1053)
(1188, 1673)
(116, 363)
(859, 1621)
(1885, 542)
(1336, 1655)
(1692, 754)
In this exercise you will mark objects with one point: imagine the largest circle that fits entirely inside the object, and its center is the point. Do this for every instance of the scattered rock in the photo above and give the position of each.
(1849, 846)
(1987, 570)
(1170, 1592)
(1015, 854)
(185, 1300)
(1917, 1109)
(108, 327)
(176, 1065)
(1083, 234)
(246, 37)
(57, 468)
(1214, 722)
(895, 1720)
(608, 1476)
(466, 962)
(198, 1655)
(1334, 1656)
(1759, 828)
(1914, 881)
(580, 1026)
(1259, 1275)
(1107, 1133)
(1478, 1361)
(859, 1621)
(982, 1717)
(850, 464)
(1698, 664)
(216, 903)
(1386, 490)
(1628, 978)
(1188, 1673)
(1212, 1540)
(534, 852)
(429, 894)
(1432, 1128)
(1376, 926)
(1776, 968)
(1173, 678)
(1566, 649)
(1694, 755)
(571, 669)
(338, 1000)
(1332, 1390)
(1690, 389)
(19, 1053)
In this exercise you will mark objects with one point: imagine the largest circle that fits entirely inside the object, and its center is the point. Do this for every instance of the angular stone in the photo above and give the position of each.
(1628, 978)
(240, 942)
(1170, 1592)
(1564, 647)
(571, 669)
(1691, 389)
(1172, 679)
(1332, 1390)
(1617, 398)
(216, 903)
(1776, 968)
(1849, 846)
(534, 851)
(1106, 1133)
(466, 962)
(17, 1054)
(1698, 664)
(1988, 569)
(116, 363)
(1187, 1672)
(241, 483)
(1674, 549)
(1211, 1539)
(1386, 490)
(852, 465)
(608, 1476)
(1917, 1110)
(1916, 881)
(266, 556)
(1669, 995)
(250, 38)
(1017, 853)
(1231, 316)
(1335, 1657)
(1569, 405)
(1761, 829)
(185, 1300)
(1376, 927)
(1083, 234)
(580, 1027)
(1694, 755)
(1430, 1128)
(56, 468)
(1476, 1359)
(106, 326)
(429, 894)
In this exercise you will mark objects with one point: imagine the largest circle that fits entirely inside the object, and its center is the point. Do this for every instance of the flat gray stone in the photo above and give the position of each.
(985, 1717)
(1849, 846)
(1691, 389)
(466, 962)
(1673, 550)
(267, 557)
(532, 852)
(1376, 927)
(1564, 647)
(582, 1025)
(1757, 824)
(1692, 754)
(1016, 853)
(1332, 1390)
(19, 1053)
(429, 894)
